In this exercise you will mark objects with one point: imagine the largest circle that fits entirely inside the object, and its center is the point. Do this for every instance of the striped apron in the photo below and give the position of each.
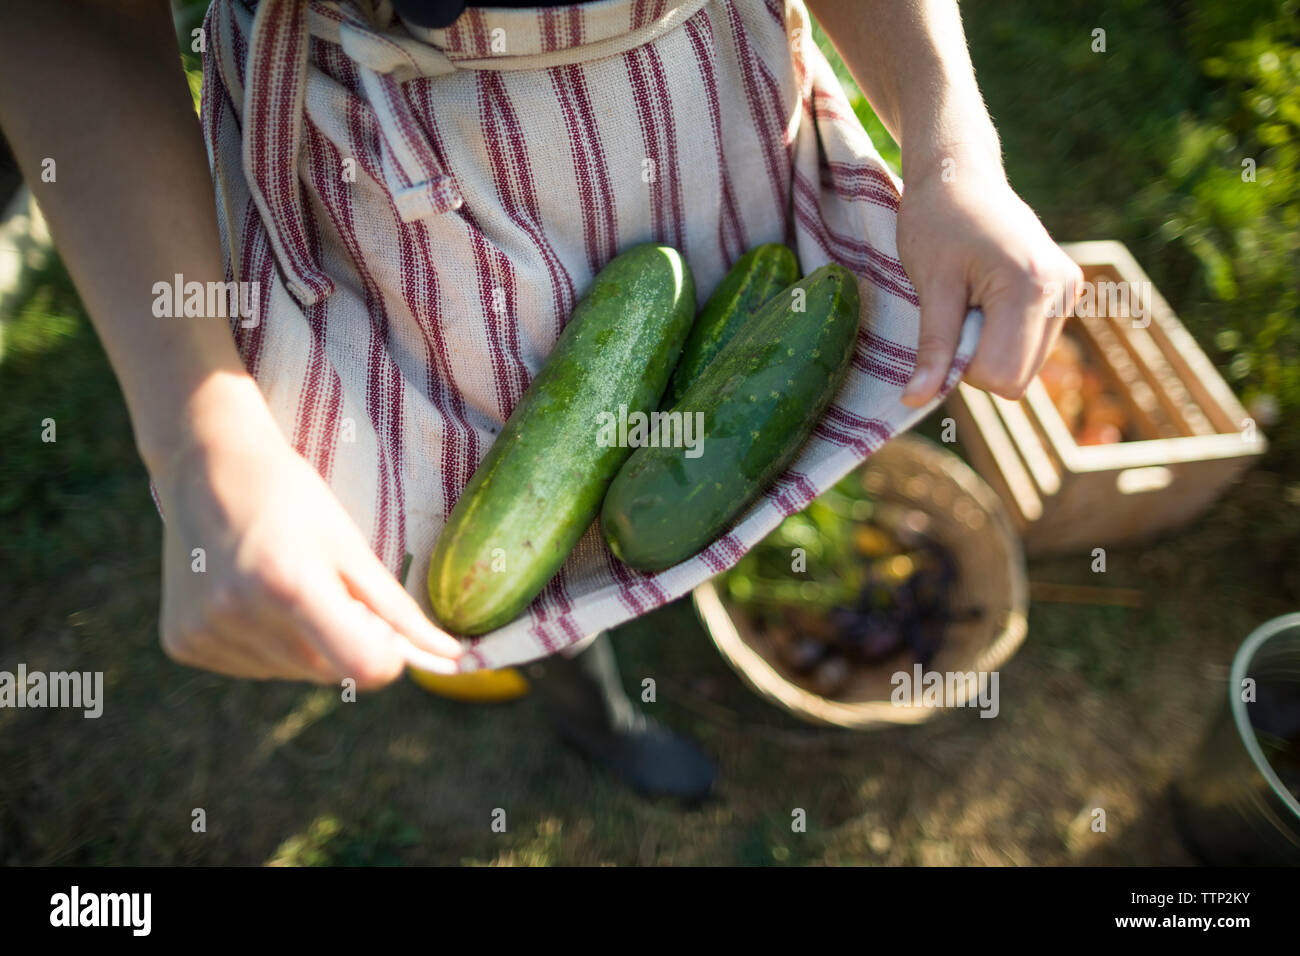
(423, 208)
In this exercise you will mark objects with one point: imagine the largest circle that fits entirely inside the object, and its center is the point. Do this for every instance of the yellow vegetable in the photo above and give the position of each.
(484, 687)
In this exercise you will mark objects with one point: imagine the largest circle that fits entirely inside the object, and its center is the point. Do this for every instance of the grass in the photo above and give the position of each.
(1099, 709)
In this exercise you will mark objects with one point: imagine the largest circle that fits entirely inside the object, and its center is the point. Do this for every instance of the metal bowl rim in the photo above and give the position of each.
(1241, 717)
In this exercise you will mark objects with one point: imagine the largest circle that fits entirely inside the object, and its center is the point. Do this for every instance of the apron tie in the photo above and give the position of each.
(386, 56)
(274, 102)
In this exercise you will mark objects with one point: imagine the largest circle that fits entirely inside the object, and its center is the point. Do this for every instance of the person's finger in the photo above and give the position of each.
(369, 582)
(207, 650)
(943, 309)
(238, 645)
(277, 635)
(1052, 332)
(355, 641)
(1065, 297)
(277, 650)
(1013, 333)
(242, 636)
(1026, 323)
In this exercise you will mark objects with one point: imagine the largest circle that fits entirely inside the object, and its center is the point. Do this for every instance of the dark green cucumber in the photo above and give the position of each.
(761, 397)
(757, 276)
(540, 485)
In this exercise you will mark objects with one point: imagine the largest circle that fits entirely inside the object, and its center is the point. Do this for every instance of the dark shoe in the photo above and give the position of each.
(583, 697)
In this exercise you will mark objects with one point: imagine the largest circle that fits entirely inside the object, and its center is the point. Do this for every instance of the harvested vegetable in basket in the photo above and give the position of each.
(1087, 404)
(849, 582)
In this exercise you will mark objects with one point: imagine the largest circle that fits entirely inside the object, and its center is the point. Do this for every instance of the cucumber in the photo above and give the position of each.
(757, 276)
(540, 485)
(761, 397)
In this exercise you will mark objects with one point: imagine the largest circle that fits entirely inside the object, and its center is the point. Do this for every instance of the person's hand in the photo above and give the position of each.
(966, 239)
(289, 587)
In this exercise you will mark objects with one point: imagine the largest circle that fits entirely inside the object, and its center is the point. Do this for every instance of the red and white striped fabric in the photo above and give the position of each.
(422, 209)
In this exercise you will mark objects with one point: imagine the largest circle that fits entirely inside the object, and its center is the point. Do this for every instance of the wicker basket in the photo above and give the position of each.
(969, 521)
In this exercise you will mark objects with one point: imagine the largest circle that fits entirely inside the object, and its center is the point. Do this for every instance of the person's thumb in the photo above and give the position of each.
(943, 309)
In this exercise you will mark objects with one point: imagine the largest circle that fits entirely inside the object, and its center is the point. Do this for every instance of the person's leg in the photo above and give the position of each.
(583, 696)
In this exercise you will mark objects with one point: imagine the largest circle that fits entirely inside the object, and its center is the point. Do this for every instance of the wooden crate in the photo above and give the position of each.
(1192, 438)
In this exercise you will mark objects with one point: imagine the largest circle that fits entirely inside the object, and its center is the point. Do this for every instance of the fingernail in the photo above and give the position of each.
(918, 383)
(441, 641)
(418, 657)
(447, 644)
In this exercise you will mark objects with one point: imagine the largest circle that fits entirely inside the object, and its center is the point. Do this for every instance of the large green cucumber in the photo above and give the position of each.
(761, 397)
(540, 485)
(757, 276)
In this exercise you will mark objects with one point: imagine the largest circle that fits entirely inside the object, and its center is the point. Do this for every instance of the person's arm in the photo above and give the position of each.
(964, 237)
(97, 89)
(290, 588)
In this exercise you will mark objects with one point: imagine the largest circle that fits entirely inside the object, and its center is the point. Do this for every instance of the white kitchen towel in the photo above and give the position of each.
(423, 208)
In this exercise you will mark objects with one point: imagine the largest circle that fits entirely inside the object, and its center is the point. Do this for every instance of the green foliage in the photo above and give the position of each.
(53, 370)
(1232, 189)
(824, 530)
(1145, 143)
(188, 17)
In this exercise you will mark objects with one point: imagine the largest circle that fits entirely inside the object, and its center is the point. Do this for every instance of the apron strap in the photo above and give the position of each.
(274, 104)
(274, 91)
(414, 177)
(386, 56)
